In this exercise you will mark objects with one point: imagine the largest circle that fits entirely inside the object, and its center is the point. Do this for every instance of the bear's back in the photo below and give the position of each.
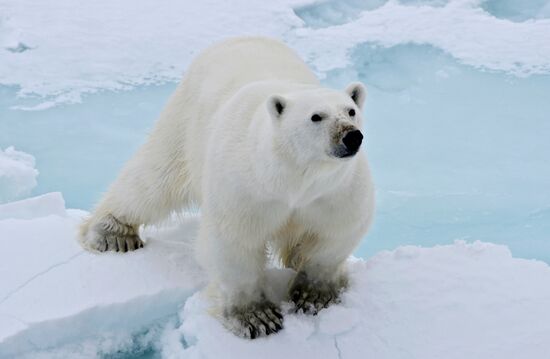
(215, 76)
(236, 62)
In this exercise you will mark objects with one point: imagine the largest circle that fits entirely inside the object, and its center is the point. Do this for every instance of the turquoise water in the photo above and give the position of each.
(79, 148)
(456, 152)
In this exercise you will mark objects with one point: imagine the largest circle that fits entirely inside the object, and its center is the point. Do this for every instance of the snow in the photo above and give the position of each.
(459, 28)
(454, 301)
(78, 47)
(461, 300)
(17, 174)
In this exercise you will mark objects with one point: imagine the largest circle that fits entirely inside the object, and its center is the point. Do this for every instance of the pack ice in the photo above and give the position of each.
(465, 300)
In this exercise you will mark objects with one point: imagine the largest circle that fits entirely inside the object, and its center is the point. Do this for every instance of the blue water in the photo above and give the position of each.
(80, 148)
(337, 12)
(456, 152)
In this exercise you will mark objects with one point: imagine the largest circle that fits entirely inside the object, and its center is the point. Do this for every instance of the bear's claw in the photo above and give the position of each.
(255, 320)
(310, 297)
(119, 243)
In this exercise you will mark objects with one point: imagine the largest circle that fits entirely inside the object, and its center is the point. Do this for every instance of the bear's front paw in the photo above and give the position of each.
(110, 234)
(118, 243)
(254, 320)
(312, 296)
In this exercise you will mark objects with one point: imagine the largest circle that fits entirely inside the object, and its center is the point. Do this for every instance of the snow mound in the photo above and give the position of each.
(453, 301)
(17, 174)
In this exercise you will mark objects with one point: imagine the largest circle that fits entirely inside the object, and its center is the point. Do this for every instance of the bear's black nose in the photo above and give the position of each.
(353, 140)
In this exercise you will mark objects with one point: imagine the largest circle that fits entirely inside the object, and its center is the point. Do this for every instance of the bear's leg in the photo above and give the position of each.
(247, 311)
(149, 187)
(321, 275)
(235, 260)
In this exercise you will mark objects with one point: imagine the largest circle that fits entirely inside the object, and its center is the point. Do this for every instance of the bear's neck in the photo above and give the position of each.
(281, 176)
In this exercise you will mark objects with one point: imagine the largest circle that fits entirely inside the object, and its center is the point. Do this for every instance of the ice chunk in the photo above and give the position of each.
(464, 300)
(53, 293)
(40, 206)
(17, 174)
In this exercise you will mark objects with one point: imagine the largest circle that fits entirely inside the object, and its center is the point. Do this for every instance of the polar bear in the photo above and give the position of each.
(273, 160)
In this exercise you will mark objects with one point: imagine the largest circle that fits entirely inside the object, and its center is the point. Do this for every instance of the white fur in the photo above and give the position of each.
(262, 179)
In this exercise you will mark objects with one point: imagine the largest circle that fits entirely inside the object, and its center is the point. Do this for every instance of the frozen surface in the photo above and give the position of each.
(458, 121)
(52, 293)
(454, 301)
(17, 174)
(459, 28)
(457, 301)
(77, 47)
(74, 47)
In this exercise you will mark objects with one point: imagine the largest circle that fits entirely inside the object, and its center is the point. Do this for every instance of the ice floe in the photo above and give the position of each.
(455, 301)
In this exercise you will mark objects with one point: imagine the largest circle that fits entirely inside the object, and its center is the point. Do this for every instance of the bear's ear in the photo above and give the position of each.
(276, 105)
(357, 92)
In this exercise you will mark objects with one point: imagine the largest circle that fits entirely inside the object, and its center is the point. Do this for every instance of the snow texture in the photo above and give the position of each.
(77, 47)
(17, 174)
(453, 301)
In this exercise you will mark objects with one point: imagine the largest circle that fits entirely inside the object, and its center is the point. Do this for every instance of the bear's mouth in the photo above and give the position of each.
(349, 154)
(344, 153)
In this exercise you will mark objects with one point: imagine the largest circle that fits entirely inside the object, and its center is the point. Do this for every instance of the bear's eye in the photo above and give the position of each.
(351, 112)
(316, 118)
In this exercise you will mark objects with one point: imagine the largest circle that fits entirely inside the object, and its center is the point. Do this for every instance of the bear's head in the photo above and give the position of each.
(318, 124)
